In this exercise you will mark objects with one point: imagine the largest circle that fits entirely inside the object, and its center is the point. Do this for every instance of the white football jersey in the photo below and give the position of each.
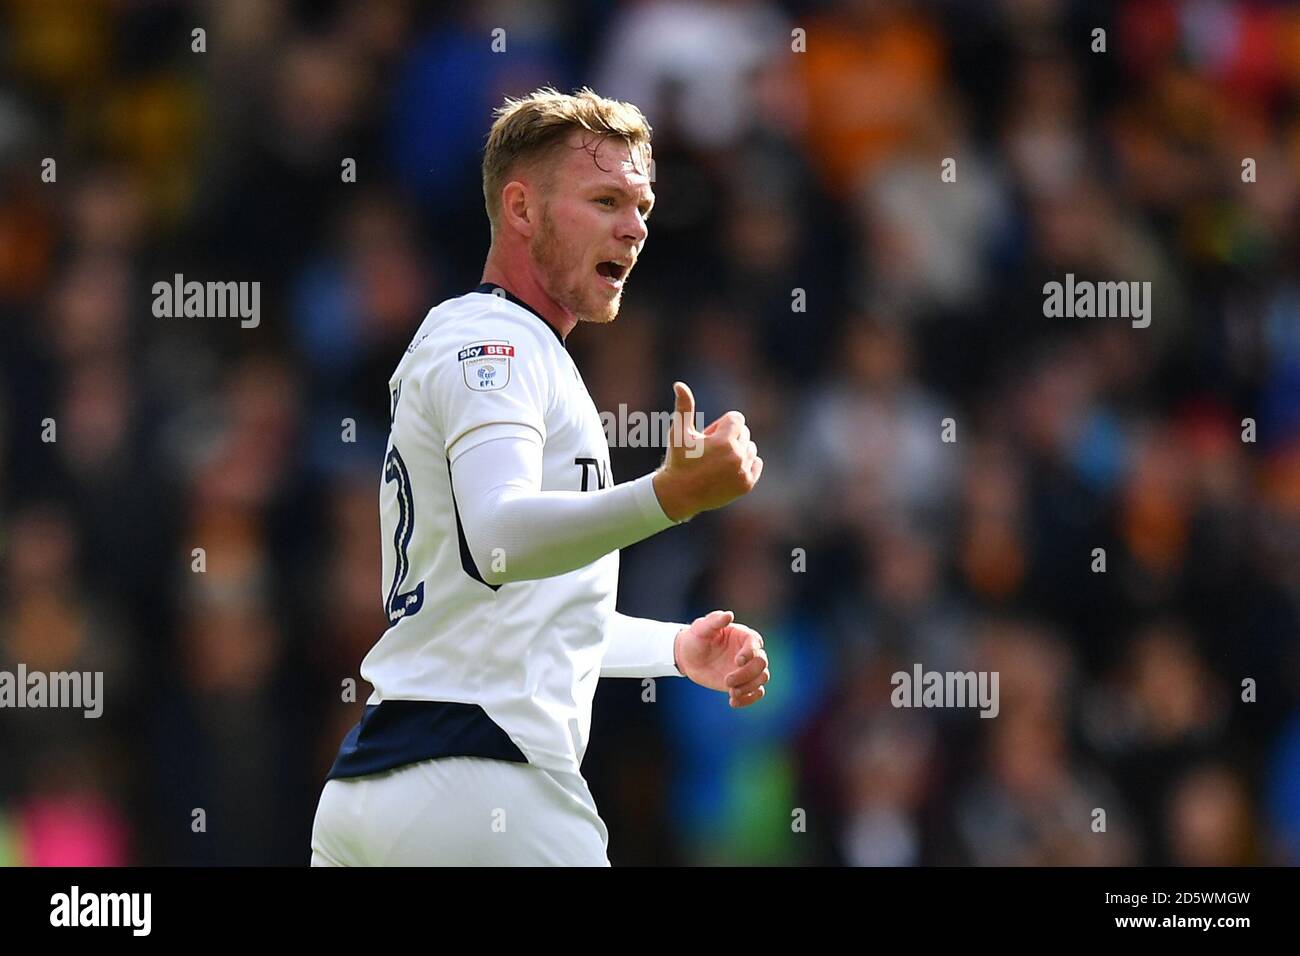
(466, 668)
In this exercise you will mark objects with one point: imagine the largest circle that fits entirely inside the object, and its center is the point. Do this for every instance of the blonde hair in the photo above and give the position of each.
(533, 127)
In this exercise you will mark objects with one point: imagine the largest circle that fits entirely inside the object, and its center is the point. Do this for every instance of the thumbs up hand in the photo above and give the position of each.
(708, 469)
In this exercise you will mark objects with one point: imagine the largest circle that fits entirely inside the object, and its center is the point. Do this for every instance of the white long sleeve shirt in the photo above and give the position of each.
(501, 528)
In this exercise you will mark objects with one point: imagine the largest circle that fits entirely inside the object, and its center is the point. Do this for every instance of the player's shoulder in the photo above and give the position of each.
(480, 342)
(480, 317)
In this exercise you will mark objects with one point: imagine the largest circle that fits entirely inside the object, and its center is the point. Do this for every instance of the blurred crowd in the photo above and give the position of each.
(1105, 530)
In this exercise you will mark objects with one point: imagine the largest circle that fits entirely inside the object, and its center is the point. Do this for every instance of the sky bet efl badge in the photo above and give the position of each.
(486, 364)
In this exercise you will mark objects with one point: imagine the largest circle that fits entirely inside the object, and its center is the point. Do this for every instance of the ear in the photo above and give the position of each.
(517, 209)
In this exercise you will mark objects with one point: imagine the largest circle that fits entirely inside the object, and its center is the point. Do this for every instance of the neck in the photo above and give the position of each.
(522, 282)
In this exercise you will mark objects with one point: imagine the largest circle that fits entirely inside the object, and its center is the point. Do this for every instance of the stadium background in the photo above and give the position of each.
(775, 171)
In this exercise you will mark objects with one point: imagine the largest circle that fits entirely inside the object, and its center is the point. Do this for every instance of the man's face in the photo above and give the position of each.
(593, 225)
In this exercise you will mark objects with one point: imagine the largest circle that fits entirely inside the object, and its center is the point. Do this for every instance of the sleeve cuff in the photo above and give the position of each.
(640, 647)
(643, 492)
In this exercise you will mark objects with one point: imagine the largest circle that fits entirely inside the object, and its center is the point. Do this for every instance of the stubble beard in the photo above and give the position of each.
(578, 298)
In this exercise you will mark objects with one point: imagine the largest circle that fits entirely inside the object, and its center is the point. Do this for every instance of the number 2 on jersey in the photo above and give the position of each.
(402, 604)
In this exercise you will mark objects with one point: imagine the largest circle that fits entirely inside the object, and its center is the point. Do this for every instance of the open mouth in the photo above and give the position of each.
(612, 272)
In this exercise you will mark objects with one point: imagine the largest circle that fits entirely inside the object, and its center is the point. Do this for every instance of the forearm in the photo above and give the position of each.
(516, 532)
(639, 647)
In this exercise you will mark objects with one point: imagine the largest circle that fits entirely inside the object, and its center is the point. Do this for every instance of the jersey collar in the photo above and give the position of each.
(491, 288)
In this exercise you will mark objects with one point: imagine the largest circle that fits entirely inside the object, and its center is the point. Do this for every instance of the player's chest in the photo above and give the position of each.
(576, 456)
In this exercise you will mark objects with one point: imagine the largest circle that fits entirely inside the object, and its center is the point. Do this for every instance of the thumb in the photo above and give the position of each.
(685, 405)
(715, 621)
